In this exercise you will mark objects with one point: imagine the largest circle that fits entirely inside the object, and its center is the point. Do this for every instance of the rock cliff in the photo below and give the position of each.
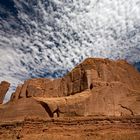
(96, 87)
(4, 86)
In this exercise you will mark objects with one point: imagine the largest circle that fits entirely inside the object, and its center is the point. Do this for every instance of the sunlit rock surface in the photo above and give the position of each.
(98, 99)
(96, 87)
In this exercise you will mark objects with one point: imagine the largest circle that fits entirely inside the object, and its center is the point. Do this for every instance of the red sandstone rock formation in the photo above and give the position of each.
(96, 87)
(4, 86)
(81, 78)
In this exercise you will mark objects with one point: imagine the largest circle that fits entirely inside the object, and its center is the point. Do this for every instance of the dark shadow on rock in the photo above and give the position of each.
(47, 109)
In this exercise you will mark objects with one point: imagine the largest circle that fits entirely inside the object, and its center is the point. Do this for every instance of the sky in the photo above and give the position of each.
(47, 38)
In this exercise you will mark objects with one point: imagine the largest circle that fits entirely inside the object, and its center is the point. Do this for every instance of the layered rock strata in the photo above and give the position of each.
(96, 87)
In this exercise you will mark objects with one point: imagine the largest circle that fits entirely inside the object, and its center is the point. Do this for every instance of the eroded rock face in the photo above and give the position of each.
(81, 78)
(74, 82)
(96, 87)
(113, 99)
(22, 109)
(4, 86)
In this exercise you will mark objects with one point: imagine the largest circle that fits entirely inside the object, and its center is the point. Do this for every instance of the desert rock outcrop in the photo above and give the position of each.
(4, 86)
(97, 94)
(96, 87)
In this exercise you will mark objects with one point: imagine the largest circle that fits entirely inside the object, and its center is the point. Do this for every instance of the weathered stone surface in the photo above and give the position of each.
(76, 86)
(76, 74)
(53, 89)
(22, 108)
(17, 92)
(4, 86)
(113, 99)
(33, 91)
(81, 128)
(95, 87)
(23, 93)
(37, 87)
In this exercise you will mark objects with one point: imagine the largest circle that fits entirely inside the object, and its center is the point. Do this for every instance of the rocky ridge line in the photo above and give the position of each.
(96, 87)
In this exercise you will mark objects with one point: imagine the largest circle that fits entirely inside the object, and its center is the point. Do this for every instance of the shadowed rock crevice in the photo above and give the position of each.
(91, 86)
(56, 113)
(47, 109)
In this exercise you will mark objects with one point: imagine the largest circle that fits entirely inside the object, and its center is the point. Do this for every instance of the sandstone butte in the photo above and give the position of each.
(99, 99)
